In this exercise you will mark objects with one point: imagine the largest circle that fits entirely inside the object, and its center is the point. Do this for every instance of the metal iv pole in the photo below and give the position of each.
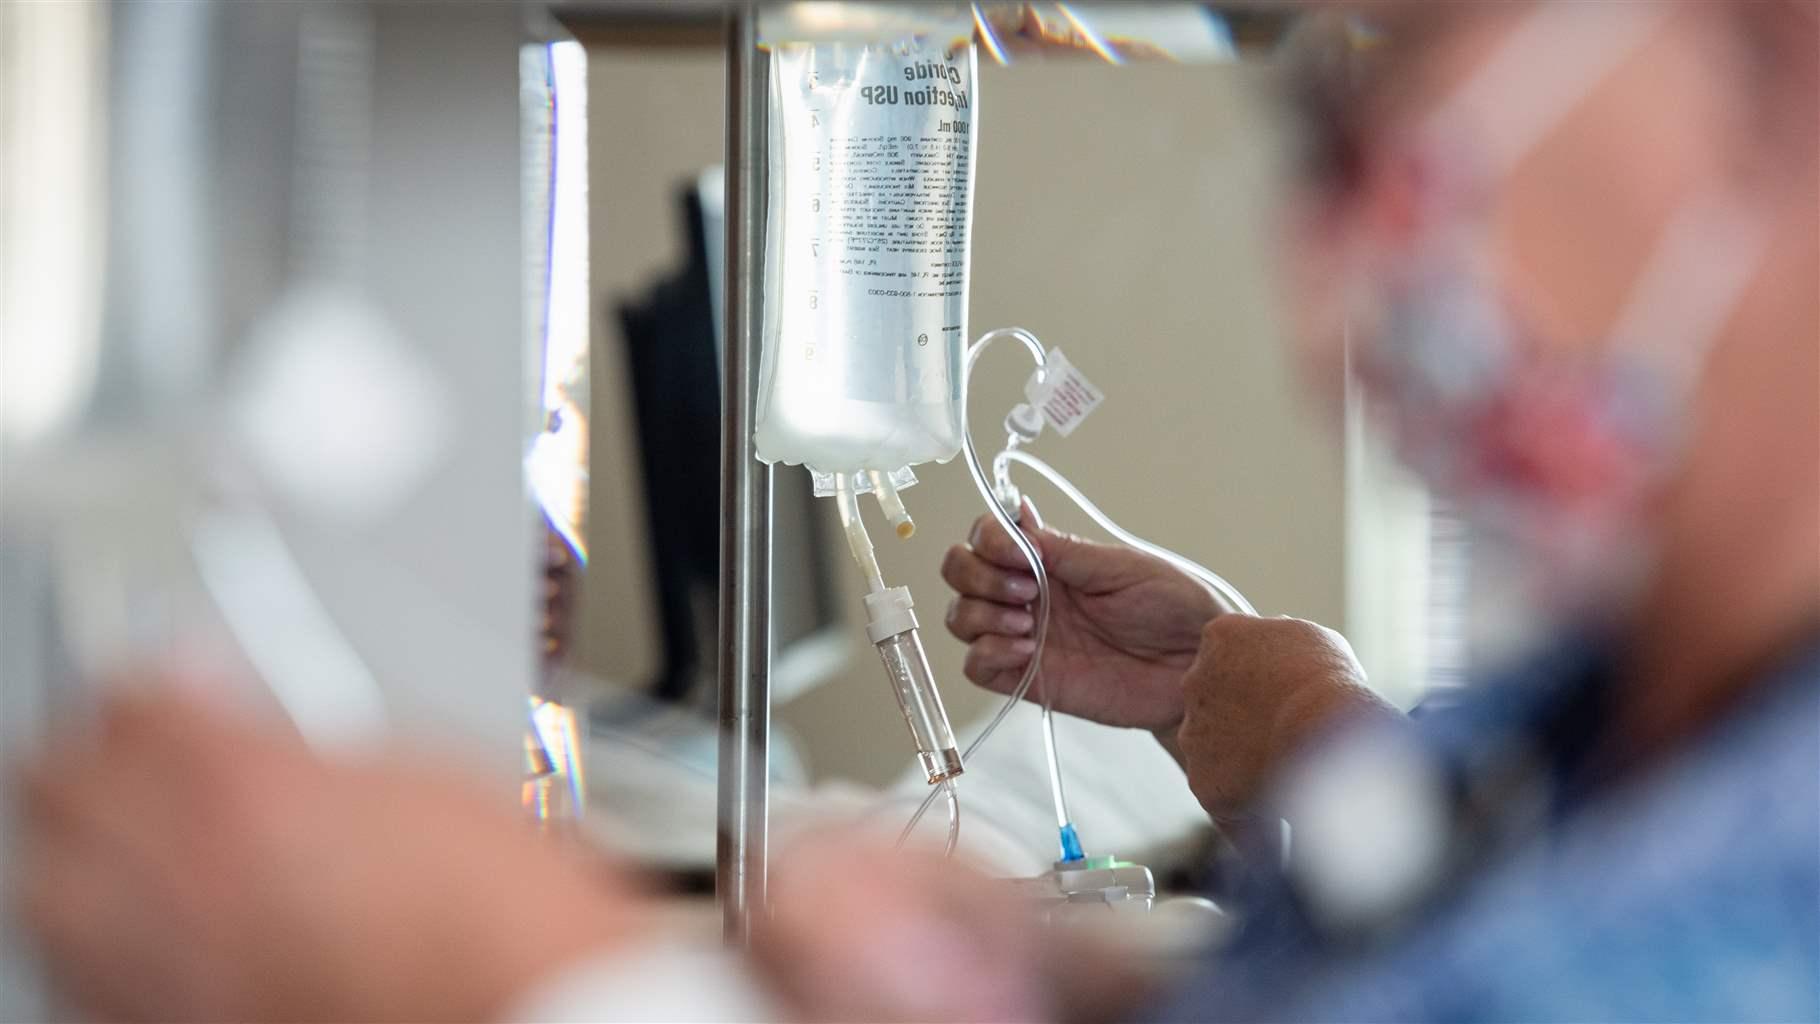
(745, 503)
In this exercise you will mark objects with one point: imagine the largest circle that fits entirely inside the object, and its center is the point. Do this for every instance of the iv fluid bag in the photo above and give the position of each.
(867, 253)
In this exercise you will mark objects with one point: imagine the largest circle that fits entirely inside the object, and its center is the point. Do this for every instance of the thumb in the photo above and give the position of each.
(1069, 559)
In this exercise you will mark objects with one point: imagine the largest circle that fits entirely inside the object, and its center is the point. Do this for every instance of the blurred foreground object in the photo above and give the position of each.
(388, 887)
(229, 420)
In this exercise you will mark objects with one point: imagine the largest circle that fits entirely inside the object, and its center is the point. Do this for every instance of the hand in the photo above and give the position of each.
(1123, 626)
(181, 864)
(1258, 692)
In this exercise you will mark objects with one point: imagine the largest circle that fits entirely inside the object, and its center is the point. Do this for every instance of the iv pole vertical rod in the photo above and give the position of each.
(745, 490)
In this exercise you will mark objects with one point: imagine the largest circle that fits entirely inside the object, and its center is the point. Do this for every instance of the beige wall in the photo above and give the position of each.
(1120, 216)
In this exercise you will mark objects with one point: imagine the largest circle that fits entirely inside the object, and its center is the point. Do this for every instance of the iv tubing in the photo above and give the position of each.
(1225, 593)
(1056, 796)
(1024, 547)
(954, 817)
(946, 789)
(1008, 494)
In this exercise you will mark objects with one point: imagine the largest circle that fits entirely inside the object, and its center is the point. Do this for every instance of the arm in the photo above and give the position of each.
(1136, 644)
(1259, 691)
(186, 863)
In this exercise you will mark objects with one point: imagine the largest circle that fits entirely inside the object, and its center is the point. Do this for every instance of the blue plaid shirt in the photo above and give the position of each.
(1690, 891)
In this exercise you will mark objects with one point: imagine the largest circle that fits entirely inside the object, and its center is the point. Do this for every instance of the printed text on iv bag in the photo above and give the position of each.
(898, 209)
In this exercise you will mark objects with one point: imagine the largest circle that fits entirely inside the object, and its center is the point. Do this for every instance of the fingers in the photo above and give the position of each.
(71, 802)
(155, 773)
(973, 576)
(990, 541)
(1067, 558)
(55, 894)
(989, 616)
(970, 618)
(126, 796)
(205, 747)
(99, 841)
(991, 660)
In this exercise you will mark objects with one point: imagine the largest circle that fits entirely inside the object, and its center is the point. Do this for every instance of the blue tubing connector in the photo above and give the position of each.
(1071, 844)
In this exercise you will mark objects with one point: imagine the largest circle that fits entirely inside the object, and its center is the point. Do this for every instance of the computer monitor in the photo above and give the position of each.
(675, 351)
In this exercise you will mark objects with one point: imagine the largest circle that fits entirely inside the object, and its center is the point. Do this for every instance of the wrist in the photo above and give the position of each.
(1322, 707)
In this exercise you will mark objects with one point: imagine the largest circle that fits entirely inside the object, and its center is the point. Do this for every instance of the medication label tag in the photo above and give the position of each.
(1064, 395)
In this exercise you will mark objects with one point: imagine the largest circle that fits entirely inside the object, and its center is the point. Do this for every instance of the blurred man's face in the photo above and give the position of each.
(1491, 188)
(1569, 229)
(1524, 229)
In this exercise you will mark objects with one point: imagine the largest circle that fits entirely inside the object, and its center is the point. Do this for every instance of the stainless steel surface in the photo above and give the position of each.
(745, 489)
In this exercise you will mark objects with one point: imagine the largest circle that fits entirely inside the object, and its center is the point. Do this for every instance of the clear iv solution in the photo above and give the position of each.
(867, 254)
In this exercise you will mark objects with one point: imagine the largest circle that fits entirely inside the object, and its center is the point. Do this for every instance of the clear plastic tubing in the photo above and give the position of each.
(1008, 497)
(954, 817)
(1224, 593)
(1041, 608)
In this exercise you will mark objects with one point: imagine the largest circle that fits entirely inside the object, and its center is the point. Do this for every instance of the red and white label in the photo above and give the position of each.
(1064, 395)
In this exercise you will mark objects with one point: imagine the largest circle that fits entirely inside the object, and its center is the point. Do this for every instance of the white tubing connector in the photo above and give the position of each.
(858, 541)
